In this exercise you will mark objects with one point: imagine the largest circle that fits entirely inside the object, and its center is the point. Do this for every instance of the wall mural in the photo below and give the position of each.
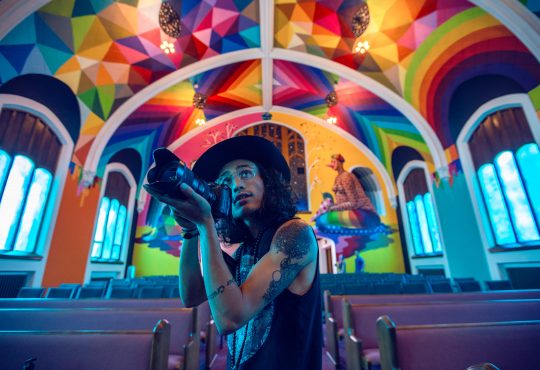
(380, 247)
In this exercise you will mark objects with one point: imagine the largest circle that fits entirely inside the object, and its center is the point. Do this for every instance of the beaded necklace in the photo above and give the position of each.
(236, 361)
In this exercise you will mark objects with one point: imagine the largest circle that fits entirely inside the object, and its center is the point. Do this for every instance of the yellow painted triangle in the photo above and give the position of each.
(123, 15)
(71, 65)
(71, 79)
(97, 52)
(303, 27)
(92, 126)
(96, 36)
(285, 36)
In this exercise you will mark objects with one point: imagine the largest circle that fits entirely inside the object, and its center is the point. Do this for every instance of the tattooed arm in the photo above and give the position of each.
(290, 264)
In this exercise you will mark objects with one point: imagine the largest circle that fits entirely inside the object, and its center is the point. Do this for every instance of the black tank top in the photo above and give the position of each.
(287, 333)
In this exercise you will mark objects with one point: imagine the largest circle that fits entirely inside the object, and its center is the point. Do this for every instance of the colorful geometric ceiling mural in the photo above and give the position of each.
(365, 116)
(108, 52)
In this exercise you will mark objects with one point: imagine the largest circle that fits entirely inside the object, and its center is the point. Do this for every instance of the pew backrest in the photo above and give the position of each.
(333, 304)
(510, 345)
(87, 349)
(361, 318)
(183, 321)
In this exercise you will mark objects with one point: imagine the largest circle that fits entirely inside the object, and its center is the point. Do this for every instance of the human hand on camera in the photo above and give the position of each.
(188, 212)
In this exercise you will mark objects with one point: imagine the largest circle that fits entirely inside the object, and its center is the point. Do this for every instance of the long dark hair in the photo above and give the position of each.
(278, 205)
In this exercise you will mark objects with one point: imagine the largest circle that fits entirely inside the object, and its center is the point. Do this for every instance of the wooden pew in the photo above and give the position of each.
(359, 320)
(205, 323)
(184, 340)
(333, 307)
(87, 349)
(509, 345)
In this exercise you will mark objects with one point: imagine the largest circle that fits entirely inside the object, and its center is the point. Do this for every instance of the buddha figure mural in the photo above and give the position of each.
(349, 217)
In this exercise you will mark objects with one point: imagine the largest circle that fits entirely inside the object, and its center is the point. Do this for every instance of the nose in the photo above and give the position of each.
(237, 184)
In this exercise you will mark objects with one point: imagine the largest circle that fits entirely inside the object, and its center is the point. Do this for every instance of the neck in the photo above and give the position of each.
(340, 170)
(254, 226)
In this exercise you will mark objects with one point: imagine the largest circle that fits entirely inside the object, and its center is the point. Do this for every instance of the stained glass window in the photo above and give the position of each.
(423, 225)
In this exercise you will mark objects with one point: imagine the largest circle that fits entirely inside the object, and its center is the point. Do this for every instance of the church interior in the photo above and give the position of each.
(432, 105)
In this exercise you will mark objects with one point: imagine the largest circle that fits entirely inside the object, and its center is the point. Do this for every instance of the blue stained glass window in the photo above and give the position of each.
(497, 211)
(100, 228)
(13, 199)
(110, 229)
(528, 158)
(415, 228)
(5, 160)
(119, 233)
(423, 223)
(518, 204)
(33, 211)
(432, 223)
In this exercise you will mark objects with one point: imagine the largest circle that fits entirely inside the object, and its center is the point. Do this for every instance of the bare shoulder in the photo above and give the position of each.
(296, 239)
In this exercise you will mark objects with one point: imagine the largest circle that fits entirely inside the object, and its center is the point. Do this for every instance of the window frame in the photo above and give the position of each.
(118, 266)
(462, 143)
(35, 262)
(419, 261)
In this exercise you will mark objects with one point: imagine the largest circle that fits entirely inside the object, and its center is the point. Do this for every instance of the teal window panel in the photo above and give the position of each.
(5, 161)
(496, 206)
(528, 158)
(99, 234)
(432, 223)
(518, 203)
(119, 233)
(13, 199)
(415, 228)
(110, 229)
(423, 223)
(32, 217)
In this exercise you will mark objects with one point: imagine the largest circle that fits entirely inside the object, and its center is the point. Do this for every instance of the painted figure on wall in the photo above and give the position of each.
(349, 217)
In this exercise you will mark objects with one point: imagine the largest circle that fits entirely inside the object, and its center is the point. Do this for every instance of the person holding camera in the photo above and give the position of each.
(266, 296)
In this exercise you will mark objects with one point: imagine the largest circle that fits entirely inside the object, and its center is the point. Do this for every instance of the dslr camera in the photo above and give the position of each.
(170, 172)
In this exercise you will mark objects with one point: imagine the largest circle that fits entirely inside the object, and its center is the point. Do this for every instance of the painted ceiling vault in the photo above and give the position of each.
(265, 55)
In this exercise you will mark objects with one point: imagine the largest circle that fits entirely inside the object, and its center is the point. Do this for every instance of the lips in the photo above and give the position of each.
(240, 197)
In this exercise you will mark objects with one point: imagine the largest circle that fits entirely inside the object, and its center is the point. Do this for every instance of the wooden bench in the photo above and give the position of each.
(184, 340)
(509, 345)
(333, 306)
(87, 349)
(359, 321)
(205, 323)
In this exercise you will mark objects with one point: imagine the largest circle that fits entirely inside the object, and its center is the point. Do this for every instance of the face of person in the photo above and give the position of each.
(333, 164)
(244, 179)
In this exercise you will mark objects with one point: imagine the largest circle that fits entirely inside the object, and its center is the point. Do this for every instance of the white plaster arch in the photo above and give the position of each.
(59, 179)
(13, 12)
(122, 113)
(302, 115)
(415, 263)
(518, 19)
(115, 268)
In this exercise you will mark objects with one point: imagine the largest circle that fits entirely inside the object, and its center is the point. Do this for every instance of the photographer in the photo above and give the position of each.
(267, 295)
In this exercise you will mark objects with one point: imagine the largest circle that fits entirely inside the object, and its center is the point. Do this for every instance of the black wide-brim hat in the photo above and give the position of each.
(251, 148)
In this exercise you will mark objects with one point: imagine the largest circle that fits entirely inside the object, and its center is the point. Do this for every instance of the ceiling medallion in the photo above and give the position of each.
(360, 20)
(331, 99)
(169, 21)
(199, 100)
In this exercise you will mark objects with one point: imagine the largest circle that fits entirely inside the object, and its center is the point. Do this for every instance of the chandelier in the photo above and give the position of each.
(169, 21)
(199, 100)
(331, 99)
(360, 20)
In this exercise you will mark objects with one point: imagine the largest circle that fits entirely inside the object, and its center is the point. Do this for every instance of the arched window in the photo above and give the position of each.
(422, 222)
(111, 228)
(29, 153)
(506, 159)
(291, 145)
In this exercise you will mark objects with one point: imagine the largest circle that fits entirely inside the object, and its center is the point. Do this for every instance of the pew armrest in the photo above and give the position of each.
(211, 352)
(332, 340)
(191, 355)
(160, 346)
(354, 358)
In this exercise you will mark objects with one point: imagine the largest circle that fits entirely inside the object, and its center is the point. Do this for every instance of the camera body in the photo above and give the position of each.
(170, 172)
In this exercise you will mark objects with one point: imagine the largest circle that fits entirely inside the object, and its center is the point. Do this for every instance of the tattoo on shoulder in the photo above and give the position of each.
(221, 289)
(295, 243)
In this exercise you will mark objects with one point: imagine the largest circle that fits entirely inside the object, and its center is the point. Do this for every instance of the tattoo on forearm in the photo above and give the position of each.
(221, 289)
(295, 243)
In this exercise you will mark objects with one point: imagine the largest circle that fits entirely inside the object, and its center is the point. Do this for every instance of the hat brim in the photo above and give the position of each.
(251, 148)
